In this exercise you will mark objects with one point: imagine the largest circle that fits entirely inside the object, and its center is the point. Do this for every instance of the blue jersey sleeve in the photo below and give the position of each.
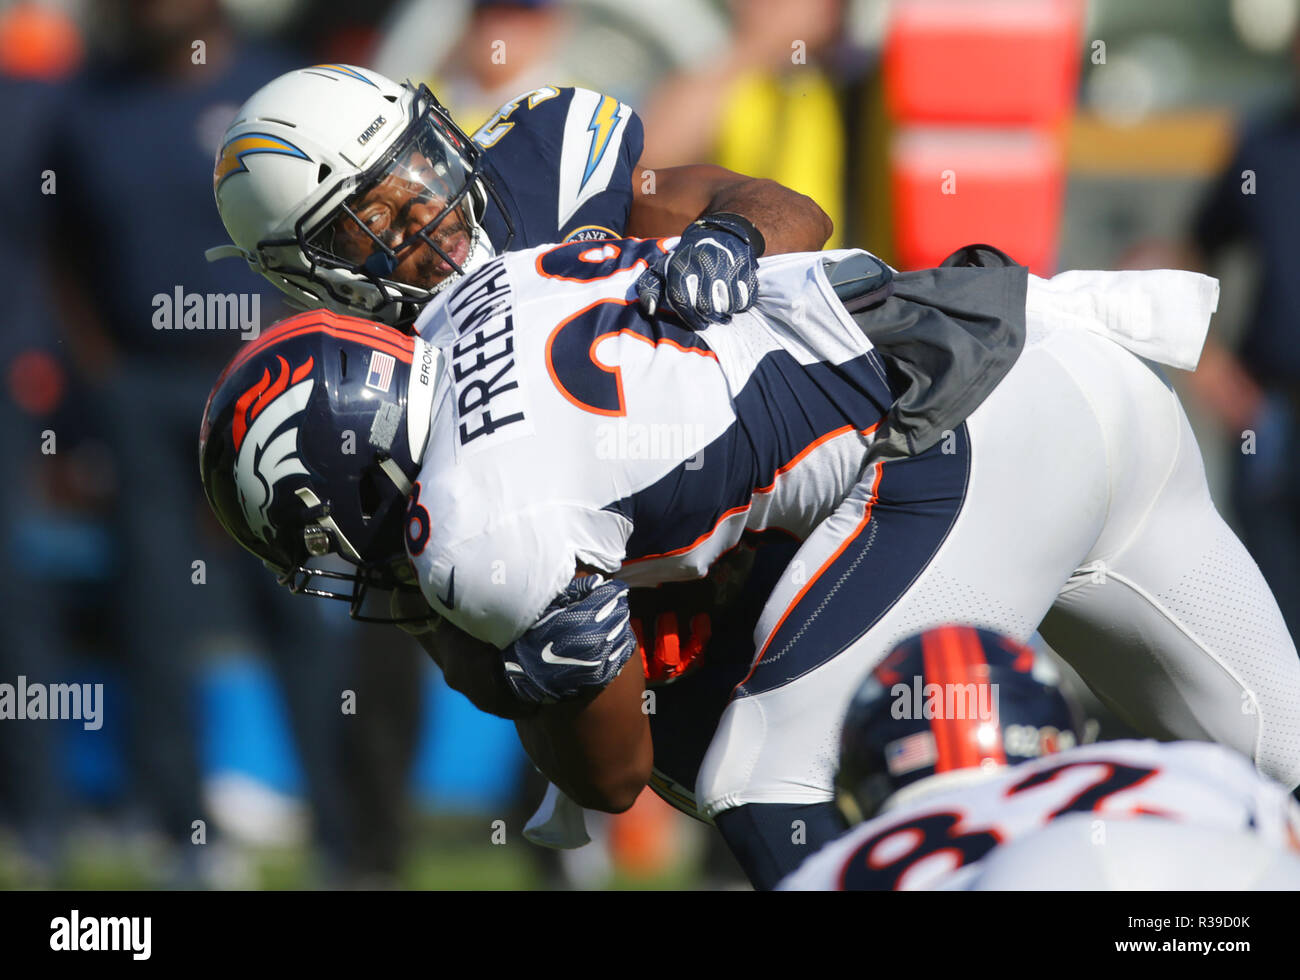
(564, 161)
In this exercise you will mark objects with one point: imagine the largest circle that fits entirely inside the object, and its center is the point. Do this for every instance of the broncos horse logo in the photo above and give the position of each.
(267, 450)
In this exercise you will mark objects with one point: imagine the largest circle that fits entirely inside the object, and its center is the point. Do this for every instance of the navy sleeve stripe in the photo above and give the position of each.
(785, 411)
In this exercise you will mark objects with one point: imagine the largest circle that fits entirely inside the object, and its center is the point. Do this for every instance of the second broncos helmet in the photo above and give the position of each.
(951, 699)
(310, 443)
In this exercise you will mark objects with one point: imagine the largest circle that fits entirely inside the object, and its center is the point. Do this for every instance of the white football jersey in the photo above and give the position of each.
(568, 427)
(1079, 853)
(941, 839)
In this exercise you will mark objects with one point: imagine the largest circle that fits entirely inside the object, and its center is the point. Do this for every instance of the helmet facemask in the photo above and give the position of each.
(369, 590)
(329, 567)
(406, 228)
(307, 148)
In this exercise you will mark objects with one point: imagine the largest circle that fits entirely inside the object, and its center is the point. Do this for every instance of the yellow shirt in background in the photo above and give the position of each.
(788, 129)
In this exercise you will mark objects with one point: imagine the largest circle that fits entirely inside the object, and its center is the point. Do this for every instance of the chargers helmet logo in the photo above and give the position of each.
(230, 160)
(267, 449)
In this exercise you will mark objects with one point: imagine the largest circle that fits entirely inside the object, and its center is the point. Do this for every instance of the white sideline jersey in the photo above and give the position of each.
(1111, 794)
(568, 427)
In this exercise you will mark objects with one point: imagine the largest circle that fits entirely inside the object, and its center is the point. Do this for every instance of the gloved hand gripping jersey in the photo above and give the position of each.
(711, 274)
(580, 643)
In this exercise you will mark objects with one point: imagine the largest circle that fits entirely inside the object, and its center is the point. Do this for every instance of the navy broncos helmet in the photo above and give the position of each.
(952, 698)
(310, 443)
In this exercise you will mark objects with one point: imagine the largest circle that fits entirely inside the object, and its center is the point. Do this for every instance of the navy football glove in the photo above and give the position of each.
(711, 274)
(582, 641)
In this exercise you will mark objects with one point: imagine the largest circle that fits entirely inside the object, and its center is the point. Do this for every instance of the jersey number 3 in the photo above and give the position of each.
(571, 348)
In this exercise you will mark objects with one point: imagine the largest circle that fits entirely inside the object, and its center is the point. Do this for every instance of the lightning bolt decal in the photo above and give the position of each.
(231, 160)
(601, 125)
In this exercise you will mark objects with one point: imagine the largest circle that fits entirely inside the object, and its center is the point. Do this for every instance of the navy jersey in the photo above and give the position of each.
(563, 161)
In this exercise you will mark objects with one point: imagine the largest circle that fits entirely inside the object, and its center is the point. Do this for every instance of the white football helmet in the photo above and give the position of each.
(349, 191)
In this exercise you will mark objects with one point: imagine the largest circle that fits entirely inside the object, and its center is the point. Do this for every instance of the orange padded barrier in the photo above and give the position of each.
(952, 187)
(979, 94)
(991, 61)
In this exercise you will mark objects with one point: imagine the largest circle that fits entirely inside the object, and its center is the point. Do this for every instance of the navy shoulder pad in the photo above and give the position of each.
(565, 161)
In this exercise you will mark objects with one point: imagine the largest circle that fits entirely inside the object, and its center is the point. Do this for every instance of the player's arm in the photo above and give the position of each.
(473, 668)
(552, 657)
(581, 662)
(595, 747)
(726, 223)
(787, 220)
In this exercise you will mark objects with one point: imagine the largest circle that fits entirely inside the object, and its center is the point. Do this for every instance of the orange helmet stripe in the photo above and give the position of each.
(368, 332)
(977, 663)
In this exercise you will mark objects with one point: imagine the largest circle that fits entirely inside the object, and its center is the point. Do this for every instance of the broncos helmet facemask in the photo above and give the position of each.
(310, 442)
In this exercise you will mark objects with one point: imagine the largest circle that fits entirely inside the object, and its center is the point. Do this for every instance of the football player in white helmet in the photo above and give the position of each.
(366, 201)
(350, 191)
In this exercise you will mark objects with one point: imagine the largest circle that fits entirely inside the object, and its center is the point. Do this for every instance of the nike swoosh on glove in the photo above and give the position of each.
(711, 274)
(582, 641)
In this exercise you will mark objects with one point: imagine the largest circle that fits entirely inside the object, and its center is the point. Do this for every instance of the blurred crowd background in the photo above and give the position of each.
(1175, 142)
